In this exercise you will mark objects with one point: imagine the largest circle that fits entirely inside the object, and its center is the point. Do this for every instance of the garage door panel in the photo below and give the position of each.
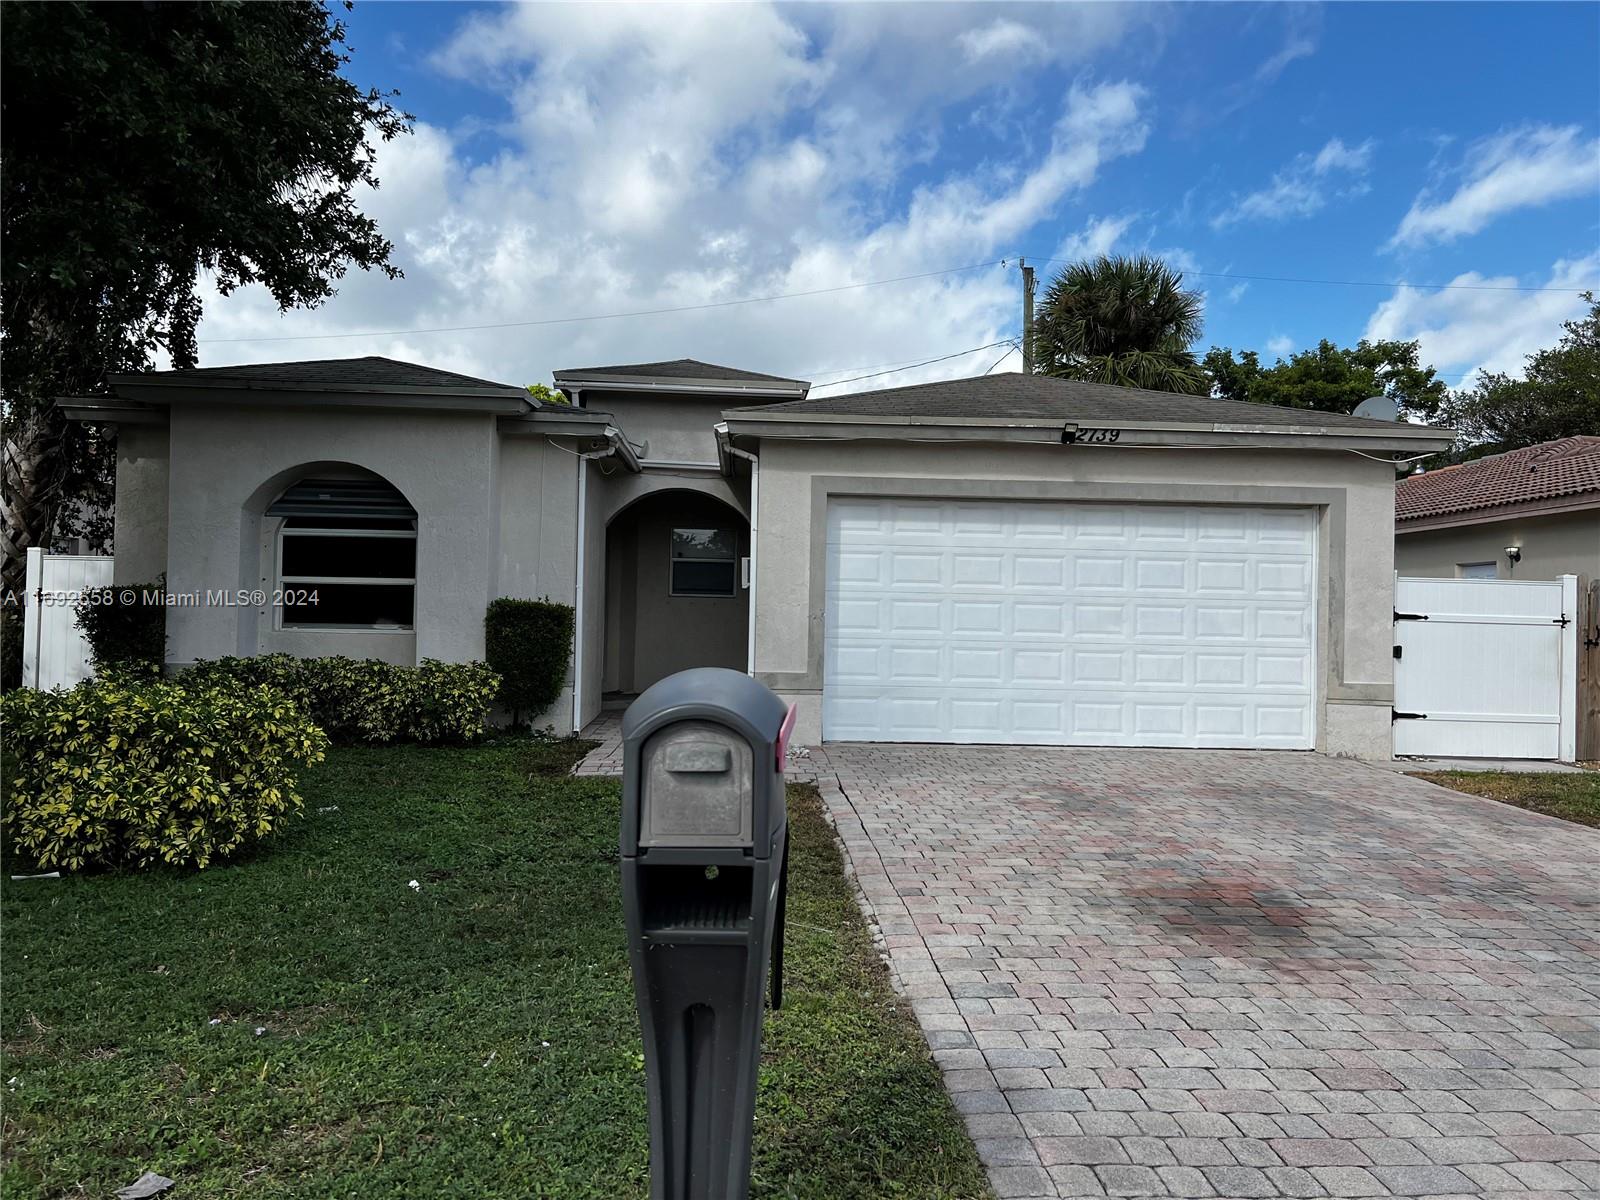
(1069, 624)
(932, 714)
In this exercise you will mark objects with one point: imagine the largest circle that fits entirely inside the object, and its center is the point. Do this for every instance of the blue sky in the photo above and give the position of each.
(573, 160)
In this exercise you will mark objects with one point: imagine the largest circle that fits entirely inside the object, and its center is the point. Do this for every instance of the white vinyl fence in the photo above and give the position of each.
(54, 653)
(1486, 668)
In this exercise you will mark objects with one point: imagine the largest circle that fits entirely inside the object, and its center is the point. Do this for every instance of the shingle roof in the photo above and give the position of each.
(1048, 399)
(332, 372)
(679, 368)
(1565, 467)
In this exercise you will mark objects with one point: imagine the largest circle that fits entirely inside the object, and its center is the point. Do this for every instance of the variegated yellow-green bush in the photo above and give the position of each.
(365, 701)
(121, 771)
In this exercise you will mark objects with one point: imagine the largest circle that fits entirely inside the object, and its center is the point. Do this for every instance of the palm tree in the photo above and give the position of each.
(1124, 321)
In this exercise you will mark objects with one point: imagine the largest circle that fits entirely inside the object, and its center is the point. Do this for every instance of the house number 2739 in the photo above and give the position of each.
(1098, 435)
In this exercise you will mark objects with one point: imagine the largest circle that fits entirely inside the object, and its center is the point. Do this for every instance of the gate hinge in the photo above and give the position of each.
(1396, 715)
(1400, 616)
(1563, 620)
(1398, 650)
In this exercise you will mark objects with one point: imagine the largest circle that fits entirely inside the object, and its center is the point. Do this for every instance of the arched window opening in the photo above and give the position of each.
(347, 555)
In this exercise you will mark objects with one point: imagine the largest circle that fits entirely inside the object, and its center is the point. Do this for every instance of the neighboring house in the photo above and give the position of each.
(1544, 501)
(1000, 559)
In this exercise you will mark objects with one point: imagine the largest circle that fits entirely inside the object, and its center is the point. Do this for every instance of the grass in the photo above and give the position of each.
(303, 1022)
(1572, 796)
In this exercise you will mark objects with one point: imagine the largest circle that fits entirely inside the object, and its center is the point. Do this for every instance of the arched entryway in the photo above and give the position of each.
(676, 596)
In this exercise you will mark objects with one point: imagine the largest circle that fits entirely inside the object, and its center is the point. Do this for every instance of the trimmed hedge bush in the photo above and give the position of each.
(366, 701)
(126, 627)
(122, 771)
(529, 642)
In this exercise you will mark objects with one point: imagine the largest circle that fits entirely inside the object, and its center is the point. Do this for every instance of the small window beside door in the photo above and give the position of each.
(1478, 570)
(704, 562)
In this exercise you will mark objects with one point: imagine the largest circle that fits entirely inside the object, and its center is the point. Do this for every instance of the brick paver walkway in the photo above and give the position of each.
(1214, 973)
(606, 758)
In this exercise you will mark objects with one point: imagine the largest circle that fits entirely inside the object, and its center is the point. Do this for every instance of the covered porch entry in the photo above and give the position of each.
(677, 588)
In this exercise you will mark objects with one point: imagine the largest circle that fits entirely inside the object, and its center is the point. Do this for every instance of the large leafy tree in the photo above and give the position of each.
(143, 148)
(1121, 320)
(1558, 395)
(1331, 378)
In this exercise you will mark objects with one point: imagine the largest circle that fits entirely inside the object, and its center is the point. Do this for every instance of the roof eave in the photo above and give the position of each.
(110, 410)
(834, 426)
(662, 383)
(324, 395)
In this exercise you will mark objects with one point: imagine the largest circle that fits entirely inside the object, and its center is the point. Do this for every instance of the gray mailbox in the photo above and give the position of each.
(704, 868)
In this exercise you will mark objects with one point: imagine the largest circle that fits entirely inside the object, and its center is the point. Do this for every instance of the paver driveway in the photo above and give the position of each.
(1238, 974)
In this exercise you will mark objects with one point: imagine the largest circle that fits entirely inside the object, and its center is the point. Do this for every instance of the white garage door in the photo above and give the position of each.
(1069, 624)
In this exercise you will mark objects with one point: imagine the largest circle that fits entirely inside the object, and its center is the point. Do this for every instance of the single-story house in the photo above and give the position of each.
(1005, 559)
(1532, 513)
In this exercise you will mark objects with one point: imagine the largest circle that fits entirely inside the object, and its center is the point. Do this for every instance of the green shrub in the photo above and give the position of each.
(366, 701)
(123, 771)
(126, 626)
(529, 642)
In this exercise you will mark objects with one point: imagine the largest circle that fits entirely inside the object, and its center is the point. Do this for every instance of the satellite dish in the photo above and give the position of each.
(1378, 408)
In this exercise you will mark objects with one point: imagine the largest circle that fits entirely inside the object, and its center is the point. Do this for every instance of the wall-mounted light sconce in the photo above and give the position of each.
(1513, 556)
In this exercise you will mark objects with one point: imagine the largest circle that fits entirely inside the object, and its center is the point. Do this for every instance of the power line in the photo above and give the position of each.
(616, 316)
(925, 363)
(1442, 287)
(1011, 348)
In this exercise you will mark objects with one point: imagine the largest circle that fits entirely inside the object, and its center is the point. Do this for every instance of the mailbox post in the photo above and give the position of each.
(704, 869)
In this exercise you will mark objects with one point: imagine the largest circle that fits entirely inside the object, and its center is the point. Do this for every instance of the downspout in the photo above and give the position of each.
(615, 445)
(755, 533)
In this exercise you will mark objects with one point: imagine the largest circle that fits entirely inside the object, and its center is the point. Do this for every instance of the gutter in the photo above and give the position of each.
(616, 446)
(643, 383)
(727, 452)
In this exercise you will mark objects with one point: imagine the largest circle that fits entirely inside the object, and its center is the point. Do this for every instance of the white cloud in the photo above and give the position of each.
(1522, 168)
(1304, 186)
(1280, 346)
(657, 157)
(1099, 235)
(1465, 331)
(1003, 38)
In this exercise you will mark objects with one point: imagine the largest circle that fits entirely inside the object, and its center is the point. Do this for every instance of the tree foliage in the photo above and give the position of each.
(1331, 378)
(1558, 396)
(146, 147)
(1121, 320)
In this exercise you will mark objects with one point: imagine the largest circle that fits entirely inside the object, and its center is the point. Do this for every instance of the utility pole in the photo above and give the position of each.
(1027, 316)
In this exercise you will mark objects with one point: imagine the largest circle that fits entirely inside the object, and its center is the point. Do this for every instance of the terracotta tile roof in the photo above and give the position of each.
(1564, 467)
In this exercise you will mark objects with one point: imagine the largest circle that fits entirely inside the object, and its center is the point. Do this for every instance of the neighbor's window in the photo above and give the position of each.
(705, 562)
(347, 555)
(1477, 570)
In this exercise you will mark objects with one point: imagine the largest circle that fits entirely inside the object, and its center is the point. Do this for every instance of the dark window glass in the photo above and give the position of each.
(348, 604)
(349, 557)
(691, 577)
(703, 543)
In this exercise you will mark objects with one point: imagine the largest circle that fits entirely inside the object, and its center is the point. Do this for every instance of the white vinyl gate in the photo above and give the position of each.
(54, 653)
(1486, 668)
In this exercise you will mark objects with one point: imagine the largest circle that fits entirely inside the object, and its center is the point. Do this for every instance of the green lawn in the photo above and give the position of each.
(1572, 796)
(476, 1037)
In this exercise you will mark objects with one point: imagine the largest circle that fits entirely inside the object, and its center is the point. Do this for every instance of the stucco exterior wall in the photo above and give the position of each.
(1553, 545)
(139, 524)
(673, 428)
(229, 462)
(1355, 497)
(536, 536)
(593, 632)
